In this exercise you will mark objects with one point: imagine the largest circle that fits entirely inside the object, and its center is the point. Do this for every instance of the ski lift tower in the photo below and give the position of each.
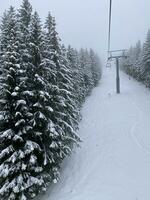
(112, 55)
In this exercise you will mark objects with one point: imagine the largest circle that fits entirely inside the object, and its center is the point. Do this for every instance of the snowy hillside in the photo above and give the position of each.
(113, 162)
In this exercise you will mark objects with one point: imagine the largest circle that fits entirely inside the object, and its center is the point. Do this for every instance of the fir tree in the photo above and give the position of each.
(60, 88)
(146, 60)
(137, 65)
(14, 148)
(86, 72)
(24, 20)
(95, 68)
(73, 59)
(25, 15)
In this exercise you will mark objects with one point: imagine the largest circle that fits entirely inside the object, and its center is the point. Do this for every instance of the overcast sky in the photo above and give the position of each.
(84, 23)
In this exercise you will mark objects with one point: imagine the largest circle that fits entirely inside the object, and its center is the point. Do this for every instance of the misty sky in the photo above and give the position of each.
(84, 23)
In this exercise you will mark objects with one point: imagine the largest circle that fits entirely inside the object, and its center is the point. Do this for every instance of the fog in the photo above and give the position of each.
(84, 23)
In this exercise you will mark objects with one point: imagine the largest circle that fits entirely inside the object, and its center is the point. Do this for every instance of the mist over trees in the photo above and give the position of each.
(43, 85)
(137, 64)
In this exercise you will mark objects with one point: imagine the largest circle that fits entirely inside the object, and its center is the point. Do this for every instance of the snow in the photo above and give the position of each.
(114, 159)
(33, 159)
(20, 122)
(18, 114)
(29, 93)
(49, 109)
(55, 181)
(21, 102)
(14, 94)
(7, 134)
(53, 145)
(31, 146)
(38, 105)
(23, 197)
(6, 151)
(17, 88)
(41, 115)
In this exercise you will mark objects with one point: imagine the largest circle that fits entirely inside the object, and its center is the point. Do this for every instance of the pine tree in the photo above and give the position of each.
(95, 68)
(48, 51)
(73, 59)
(25, 15)
(36, 99)
(67, 84)
(24, 20)
(4, 31)
(14, 177)
(146, 61)
(138, 60)
(131, 65)
(60, 88)
(86, 72)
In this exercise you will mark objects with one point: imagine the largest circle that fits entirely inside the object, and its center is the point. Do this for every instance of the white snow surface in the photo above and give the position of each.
(113, 162)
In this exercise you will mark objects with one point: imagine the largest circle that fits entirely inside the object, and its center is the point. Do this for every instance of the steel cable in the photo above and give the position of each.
(109, 30)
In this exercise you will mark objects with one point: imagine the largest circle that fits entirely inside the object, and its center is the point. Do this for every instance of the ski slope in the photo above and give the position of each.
(113, 162)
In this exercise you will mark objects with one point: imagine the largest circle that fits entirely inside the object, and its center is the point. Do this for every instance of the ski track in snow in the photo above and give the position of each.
(113, 162)
(139, 143)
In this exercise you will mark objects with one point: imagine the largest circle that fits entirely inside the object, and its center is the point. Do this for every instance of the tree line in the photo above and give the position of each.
(43, 85)
(137, 64)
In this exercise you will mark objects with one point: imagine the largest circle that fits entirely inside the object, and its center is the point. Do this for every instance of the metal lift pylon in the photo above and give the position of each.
(117, 57)
(110, 53)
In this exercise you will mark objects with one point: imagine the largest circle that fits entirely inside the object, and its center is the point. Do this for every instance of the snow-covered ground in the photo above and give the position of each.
(113, 162)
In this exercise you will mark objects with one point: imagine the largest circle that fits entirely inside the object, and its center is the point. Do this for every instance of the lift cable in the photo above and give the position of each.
(109, 31)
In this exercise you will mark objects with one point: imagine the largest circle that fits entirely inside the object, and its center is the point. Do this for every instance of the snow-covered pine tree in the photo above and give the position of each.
(137, 64)
(38, 118)
(47, 51)
(67, 85)
(46, 130)
(24, 20)
(73, 59)
(15, 178)
(95, 67)
(129, 64)
(3, 26)
(3, 38)
(22, 150)
(61, 101)
(138, 60)
(138, 50)
(131, 61)
(81, 65)
(86, 71)
(25, 14)
(146, 61)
